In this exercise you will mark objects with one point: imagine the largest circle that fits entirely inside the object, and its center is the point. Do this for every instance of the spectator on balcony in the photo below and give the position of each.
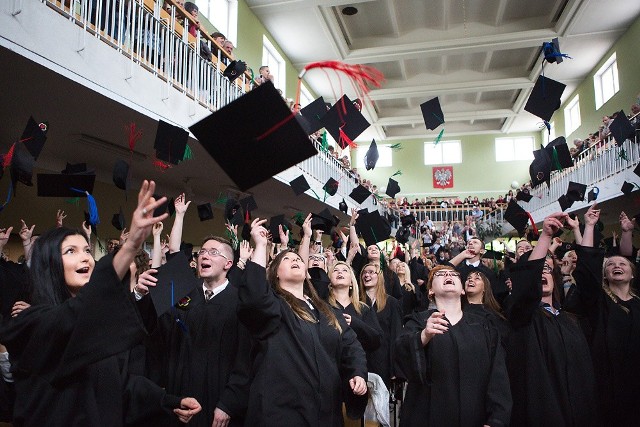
(219, 39)
(266, 76)
(476, 213)
(228, 48)
(193, 10)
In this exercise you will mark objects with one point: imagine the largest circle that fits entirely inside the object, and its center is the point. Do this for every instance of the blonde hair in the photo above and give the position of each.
(607, 289)
(354, 294)
(405, 279)
(381, 293)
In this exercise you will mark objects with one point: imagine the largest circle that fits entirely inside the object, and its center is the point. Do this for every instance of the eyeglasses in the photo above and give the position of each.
(442, 273)
(316, 258)
(370, 272)
(212, 252)
(547, 269)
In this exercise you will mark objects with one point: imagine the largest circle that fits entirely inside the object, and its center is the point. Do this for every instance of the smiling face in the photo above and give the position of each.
(474, 285)
(373, 253)
(618, 270)
(214, 267)
(547, 278)
(340, 276)
(522, 247)
(317, 261)
(77, 261)
(369, 276)
(444, 282)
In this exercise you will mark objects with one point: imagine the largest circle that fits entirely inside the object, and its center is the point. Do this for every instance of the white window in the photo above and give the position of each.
(223, 14)
(442, 153)
(605, 81)
(518, 148)
(572, 116)
(272, 59)
(305, 96)
(385, 160)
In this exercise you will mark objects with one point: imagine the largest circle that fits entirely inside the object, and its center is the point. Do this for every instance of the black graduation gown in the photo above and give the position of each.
(500, 323)
(412, 301)
(550, 368)
(365, 325)
(300, 367)
(13, 286)
(458, 379)
(65, 359)
(381, 361)
(498, 287)
(615, 342)
(206, 355)
(391, 281)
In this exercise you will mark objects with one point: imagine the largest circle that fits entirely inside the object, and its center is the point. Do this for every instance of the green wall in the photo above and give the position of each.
(626, 49)
(478, 175)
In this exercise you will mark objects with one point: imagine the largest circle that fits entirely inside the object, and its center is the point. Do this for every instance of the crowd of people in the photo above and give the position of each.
(272, 332)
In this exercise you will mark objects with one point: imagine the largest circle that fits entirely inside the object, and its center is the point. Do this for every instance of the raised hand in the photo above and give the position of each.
(181, 204)
(354, 217)
(284, 235)
(259, 233)
(626, 224)
(553, 223)
(142, 220)
(87, 229)
(572, 223)
(306, 226)
(436, 324)
(245, 250)
(157, 229)
(146, 280)
(5, 233)
(124, 235)
(59, 217)
(592, 215)
(26, 232)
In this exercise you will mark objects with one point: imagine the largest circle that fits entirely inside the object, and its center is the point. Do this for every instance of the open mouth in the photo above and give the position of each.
(617, 271)
(449, 281)
(544, 281)
(83, 270)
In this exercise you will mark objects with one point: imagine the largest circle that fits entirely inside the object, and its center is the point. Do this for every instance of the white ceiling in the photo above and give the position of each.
(481, 57)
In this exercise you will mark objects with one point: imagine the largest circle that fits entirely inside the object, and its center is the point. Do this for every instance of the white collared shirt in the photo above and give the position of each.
(217, 290)
(473, 264)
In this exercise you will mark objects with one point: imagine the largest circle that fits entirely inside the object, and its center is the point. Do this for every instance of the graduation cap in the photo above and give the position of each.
(432, 113)
(170, 143)
(628, 187)
(392, 188)
(491, 254)
(523, 196)
(175, 280)
(621, 128)
(360, 194)
(540, 168)
(372, 156)
(77, 169)
(168, 205)
(254, 137)
(551, 51)
(545, 98)
(299, 185)
(22, 164)
(33, 137)
(274, 222)
(558, 152)
(313, 114)
(344, 122)
(322, 221)
(205, 212)
(565, 202)
(576, 191)
(248, 204)
(343, 206)
(373, 228)
(118, 220)
(120, 174)
(331, 187)
(234, 69)
(60, 185)
(517, 217)
(231, 207)
(403, 234)
(593, 194)
(408, 220)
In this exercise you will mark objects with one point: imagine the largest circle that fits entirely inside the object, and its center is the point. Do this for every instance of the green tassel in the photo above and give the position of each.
(188, 154)
(73, 201)
(398, 173)
(316, 194)
(397, 146)
(623, 154)
(233, 239)
(439, 137)
(556, 160)
(324, 142)
(222, 199)
(298, 218)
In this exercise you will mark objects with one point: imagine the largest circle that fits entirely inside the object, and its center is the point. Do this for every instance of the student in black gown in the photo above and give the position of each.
(480, 299)
(551, 372)
(612, 307)
(389, 314)
(453, 361)
(411, 296)
(65, 348)
(307, 359)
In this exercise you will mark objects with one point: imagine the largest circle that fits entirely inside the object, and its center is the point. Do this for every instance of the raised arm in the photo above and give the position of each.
(25, 234)
(156, 259)
(353, 234)
(574, 224)
(591, 217)
(626, 235)
(303, 250)
(175, 238)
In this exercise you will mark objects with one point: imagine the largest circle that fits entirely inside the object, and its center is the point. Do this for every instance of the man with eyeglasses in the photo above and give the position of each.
(203, 346)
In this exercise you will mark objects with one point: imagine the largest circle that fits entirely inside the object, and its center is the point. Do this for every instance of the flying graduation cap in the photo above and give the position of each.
(120, 174)
(372, 227)
(205, 212)
(313, 114)
(621, 128)
(170, 143)
(299, 185)
(372, 156)
(393, 188)
(544, 98)
(559, 154)
(344, 122)
(234, 69)
(517, 217)
(118, 220)
(175, 280)
(540, 168)
(551, 51)
(254, 137)
(360, 194)
(331, 187)
(432, 113)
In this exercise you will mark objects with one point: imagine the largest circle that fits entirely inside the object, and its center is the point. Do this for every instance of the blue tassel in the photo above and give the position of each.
(93, 207)
(8, 197)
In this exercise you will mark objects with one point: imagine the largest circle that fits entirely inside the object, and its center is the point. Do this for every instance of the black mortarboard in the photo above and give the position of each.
(175, 280)
(246, 231)
(118, 220)
(523, 196)
(392, 188)
(408, 220)
(331, 187)
(360, 194)
(77, 169)
(564, 159)
(254, 137)
(627, 187)
(593, 194)
(372, 156)
(60, 185)
(274, 222)
(551, 51)
(170, 142)
(234, 69)
(248, 204)
(313, 114)
(322, 221)
(403, 234)
(373, 228)
(120, 174)
(304, 124)
(231, 207)
(576, 191)
(205, 212)
(33, 137)
(621, 128)
(540, 168)
(237, 218)
(517, 217)
(344, 116)
(343, 206)
(167, 205)
(565, 202)
(22, 165)
(491, 254)
(432, 113)
(299, 185)
(544, 98)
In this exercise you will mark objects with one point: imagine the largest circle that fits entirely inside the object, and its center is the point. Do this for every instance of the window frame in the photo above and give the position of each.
(572, 116)
(611, 64)
(429, 145)
(514, 140)
(280, 80)
(228, 27)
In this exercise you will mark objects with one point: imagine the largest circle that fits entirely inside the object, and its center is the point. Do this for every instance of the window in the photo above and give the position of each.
(605, 81)
(305, 96)
(223, 14)
(442, 153)
(518, 148)
(572, 116)
(272, 59)
(385, 159)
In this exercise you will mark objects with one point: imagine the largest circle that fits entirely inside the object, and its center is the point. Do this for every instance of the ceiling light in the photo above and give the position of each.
(349, 11)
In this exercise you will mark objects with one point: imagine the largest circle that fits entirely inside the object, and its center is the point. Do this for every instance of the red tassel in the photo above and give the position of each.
(247, 217)
(345, 140)
(159, 164)
(134, 135)
(7, 158)
(533, 224)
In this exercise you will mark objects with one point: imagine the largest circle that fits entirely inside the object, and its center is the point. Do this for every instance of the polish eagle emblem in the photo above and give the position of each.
(442, 176)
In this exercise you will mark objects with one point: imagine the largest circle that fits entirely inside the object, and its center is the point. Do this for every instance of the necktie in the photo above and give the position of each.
(208, 294)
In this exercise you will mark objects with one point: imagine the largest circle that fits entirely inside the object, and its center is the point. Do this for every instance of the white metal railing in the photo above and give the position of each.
(150, 39)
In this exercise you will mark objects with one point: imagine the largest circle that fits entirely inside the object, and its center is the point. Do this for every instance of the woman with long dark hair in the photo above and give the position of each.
(480, 300)
(64, 347)
(307, 360)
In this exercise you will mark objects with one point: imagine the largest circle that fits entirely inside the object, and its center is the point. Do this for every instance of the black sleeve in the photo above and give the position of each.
(588, 278)
(235, 397)
(143, 399)
(526, 293)
(258, 307)
(499, 402)
(410, 354)
(367, 329)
